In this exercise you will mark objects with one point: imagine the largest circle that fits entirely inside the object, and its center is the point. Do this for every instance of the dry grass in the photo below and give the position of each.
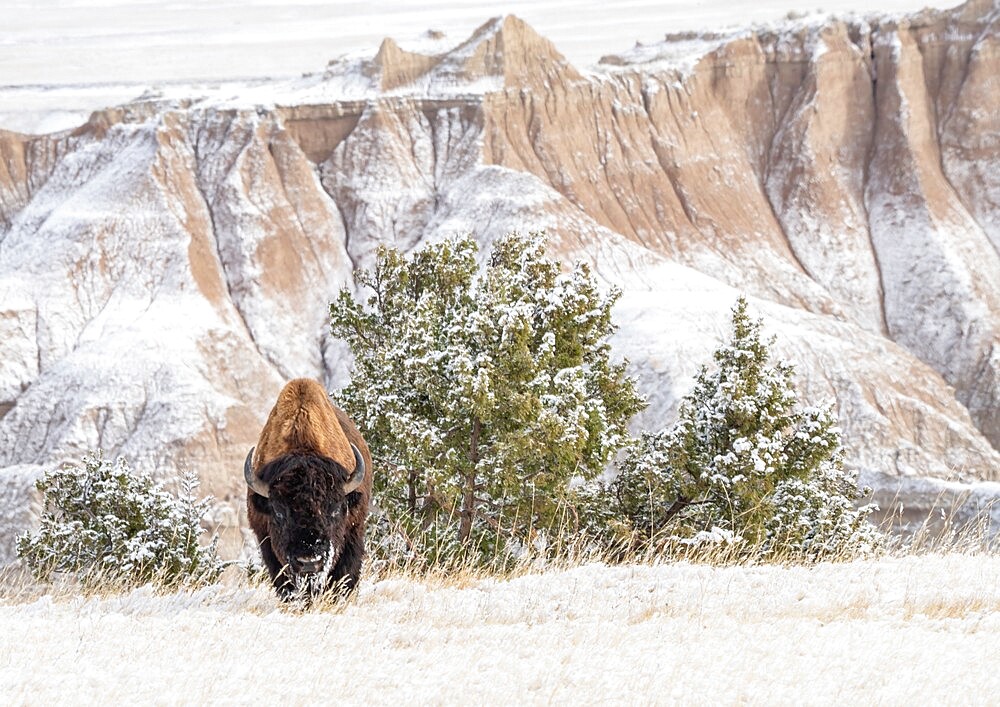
(20, 586)
(939, 536)
(943, 529)
(947, 606)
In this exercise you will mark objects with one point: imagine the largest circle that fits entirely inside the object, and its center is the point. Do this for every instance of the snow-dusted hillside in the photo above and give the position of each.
(167, 265)
(896, 631)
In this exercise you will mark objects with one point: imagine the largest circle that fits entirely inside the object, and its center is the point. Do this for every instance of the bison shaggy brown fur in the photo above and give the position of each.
(309, 487)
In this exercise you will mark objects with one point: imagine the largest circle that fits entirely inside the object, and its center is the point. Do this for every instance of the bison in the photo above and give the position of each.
(310, 482)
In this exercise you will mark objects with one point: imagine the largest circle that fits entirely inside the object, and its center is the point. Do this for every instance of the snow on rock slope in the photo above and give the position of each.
(893, 631)
(164, 267)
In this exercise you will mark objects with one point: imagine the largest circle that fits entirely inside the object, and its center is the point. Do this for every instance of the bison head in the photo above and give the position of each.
(304, 498)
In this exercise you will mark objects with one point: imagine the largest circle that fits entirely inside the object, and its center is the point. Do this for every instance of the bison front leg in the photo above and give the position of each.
(345, 574)
(280, 578)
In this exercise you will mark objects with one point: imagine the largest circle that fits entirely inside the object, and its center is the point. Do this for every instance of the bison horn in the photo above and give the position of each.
(258, 486)
(358, 476)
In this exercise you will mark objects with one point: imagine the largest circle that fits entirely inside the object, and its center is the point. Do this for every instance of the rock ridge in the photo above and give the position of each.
(167, 265)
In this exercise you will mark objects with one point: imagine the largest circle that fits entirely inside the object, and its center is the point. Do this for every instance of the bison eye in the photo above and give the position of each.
(261, 504)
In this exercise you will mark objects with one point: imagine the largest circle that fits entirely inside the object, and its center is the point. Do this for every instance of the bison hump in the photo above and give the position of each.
(304, 420)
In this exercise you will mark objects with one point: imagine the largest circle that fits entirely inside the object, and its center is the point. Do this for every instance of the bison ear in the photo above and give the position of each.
(260, 504)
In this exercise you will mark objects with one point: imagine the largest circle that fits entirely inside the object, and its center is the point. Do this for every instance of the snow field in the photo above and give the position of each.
(891, 631)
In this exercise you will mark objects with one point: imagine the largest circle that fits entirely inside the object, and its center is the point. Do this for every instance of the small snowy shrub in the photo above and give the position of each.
(745, 459)
(482, 391)
(107, 524)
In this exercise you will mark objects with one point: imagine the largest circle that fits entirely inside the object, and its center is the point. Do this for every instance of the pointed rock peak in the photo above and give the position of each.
(507, 47)
(388, 51)
(398, 67)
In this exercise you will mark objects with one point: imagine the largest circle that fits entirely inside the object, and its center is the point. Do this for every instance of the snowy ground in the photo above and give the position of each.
(61, 59)
(895, 631)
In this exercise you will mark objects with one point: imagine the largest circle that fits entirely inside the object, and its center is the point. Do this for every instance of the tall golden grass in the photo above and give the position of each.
(565, 549)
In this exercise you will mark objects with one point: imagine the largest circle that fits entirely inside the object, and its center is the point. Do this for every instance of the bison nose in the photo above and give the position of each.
(308, 563)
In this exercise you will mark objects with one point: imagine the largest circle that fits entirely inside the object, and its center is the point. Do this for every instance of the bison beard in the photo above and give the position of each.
(311, 533)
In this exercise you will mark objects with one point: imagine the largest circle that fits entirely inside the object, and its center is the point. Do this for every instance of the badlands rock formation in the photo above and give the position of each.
(167, 265)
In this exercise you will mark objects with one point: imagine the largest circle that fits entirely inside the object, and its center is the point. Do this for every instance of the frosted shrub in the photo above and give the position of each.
(745, 458)
(482, 391)
(104, 523)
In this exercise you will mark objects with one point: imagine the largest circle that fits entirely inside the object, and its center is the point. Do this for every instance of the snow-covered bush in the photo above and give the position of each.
(482, 392)
(106, 524)
(745, 458)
